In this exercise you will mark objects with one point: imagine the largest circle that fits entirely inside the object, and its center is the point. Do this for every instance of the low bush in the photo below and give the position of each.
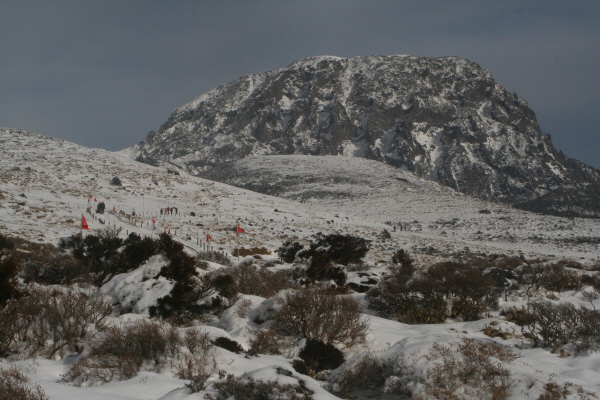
(228, 344)
(138, 250)
(254, 251)
(255, 279)
(48, 322)
(9, 285)
(318, 356)
(197, 368)
(122, 351)
(214, 256)
(197, 341)
(387, 296)
(470, 368)
(99, 253)
(193, 295)
(243, 388)
(264, 341)
(15, 385)
(326, 257)
(547, 324)
(146, 345)
(553, 277)
(368, 373)
(423, 297)
(287, 251)
(469, 288)
(55, 269)
(313, 314)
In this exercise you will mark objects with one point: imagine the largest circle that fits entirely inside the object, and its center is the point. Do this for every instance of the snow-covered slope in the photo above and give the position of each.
(373, 190)
(45, 185)
(445, 119)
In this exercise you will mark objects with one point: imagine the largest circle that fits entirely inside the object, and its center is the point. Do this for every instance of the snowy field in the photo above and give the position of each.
(47, 184)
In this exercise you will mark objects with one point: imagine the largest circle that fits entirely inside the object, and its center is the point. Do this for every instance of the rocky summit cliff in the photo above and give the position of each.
(445, 119)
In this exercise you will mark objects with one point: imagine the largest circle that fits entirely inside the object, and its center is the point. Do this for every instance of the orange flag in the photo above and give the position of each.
(84, 224)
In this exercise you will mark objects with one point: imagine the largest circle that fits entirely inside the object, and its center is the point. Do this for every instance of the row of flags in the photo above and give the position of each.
(84, 225)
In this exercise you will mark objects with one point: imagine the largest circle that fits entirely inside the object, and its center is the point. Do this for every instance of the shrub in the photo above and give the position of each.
(15, 385)
(552, 277)
(55, 269)
(6, 244)
(368, 373)
(123, 350)
(547, 324)
(197, 368)
(421, 303)
(402, 259)
(314, 314)
(46, 322)
(255, 389)
(470, 289)
(319, 356)
(264, 341)
(197, 341)
(287, 251)
(386, 297)
(254, 251)
(327, 256)
(100, 253)
(214, 256)
(470, 367)
(228, 344)
(138, 250)
(420, 298)
(258, 280)
(8, 280)
(226, 286)
(189, 289)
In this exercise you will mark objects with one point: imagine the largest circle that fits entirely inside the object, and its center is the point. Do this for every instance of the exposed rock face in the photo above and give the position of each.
(445, 119)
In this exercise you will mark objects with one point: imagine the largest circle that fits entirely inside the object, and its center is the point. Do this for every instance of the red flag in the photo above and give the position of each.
(114, 208)
(208, 238)
(169, 231)
(95, 200)
(84, 224)
(239, 230)
(90, 196)
(153, 221)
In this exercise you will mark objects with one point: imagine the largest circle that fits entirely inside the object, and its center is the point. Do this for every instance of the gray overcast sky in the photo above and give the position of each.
(105, 73)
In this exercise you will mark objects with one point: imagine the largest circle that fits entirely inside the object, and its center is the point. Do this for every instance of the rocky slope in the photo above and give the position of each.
(445, 119)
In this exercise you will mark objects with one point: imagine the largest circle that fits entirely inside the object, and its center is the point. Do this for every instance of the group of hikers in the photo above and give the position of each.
(168, 210)
(100, 208)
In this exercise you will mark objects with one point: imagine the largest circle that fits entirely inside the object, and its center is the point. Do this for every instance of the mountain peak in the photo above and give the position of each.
(444, 118)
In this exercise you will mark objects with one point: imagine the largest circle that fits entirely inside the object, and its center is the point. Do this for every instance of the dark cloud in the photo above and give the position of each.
(104, 73)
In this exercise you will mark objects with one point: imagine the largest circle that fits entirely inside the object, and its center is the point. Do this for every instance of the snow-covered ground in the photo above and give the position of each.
(46, 184)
